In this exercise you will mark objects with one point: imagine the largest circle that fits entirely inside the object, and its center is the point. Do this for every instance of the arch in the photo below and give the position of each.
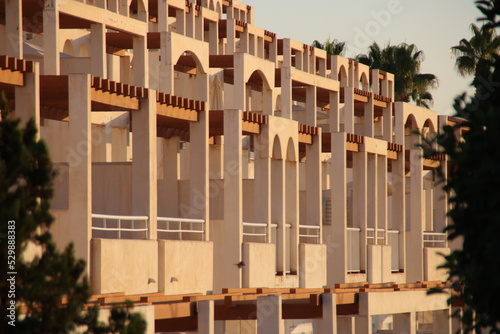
(278, 102)
(429, 124)
(216, 94)
(68, 48)
(290, 151)
(218, 8)
(259, 75)
(197, 62)
(211, 5)
(276, 152)
(84, 51)
(411, 122)
(342, 76)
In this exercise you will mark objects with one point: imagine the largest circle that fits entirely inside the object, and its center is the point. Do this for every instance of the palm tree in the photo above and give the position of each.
(332, 47)
(476, 56)
(404, 61)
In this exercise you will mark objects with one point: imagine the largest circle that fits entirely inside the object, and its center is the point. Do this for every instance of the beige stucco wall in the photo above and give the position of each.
(433, 257)
(121, 266)
(312, 266)
(112, 188)
(185, 266)
(260, 264)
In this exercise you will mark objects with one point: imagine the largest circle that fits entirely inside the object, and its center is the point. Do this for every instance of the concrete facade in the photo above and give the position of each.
(197, 152)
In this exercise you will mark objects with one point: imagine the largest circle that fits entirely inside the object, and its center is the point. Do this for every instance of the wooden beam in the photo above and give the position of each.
(10, 77)
(115, 100)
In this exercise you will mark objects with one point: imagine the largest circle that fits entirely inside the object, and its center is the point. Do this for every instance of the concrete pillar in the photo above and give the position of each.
(278, 191)
(398, 188)
(28, 98)
(190, 18)
(381, 175)
(349, 109)
(346, 324)
(415, 237)
(334, 98)
(80, 166)
(314, 195)
(244, 42)
(51, 38)
(359, 200)
(206, 322)
(311, 105)
(141, 66)
(372, 194)
(198, 26)
(162, 15)
(14, 28)
(199, 168)
(98, 50)
(273, 50)
(213, 38)
(269, 315)
(292, 207)
(405, 323)
(286, 81)
(335, 235)
(328, 323)
(231, 35)
(180, 21)
(363, 324)
(144, 167)
(441, 322)
(262, 168)
(166, 64)
(387, 123)
(369, 128)
(232, 229)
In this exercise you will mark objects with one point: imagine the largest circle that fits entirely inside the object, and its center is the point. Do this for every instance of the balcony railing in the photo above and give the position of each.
(180, 228)
(120, 224)
(434, 239)
(310, 232)
(372, 237)
(393, 241)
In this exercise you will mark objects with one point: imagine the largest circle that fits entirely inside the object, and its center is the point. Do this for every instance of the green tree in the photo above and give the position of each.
(474, 186)
(39, 283)
(332, 47)
(476, 56)
(404, 61)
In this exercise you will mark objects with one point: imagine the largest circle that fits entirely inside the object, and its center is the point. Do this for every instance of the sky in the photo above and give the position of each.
(432, 25)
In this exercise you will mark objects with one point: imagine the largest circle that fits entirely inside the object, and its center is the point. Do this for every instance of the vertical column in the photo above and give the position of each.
(415, 236)
(244, 42)
(206, 322)
(311, 105)
(80, 170)
(334, 98)
(273, 50)
(14, 28)
(286, 80)
(292, 216)
(269, 319)
(398, 188)
(166, 63)
(441, 322)
(335, 235)
(346, 324)
(349, 109)
(382, 196)
(328, 323)
(162, 15)
(359, 200)
(372, 194)
(141, 66)
(51, 38)
(231, 232)
(198, 23)
(180, 21)
(278, 210)
(387, 122)
(262, 192)
(369, 115)
(213, 36)
(190, 18)
(313, 181)
(144, 168)
(364, 324)
(230, 35)
(28, 98)
(405, 323)
(199, 168)
(98, 50)
(240, 88)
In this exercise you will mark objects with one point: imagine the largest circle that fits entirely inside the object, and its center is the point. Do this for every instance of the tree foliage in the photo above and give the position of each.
(332, 47)
(404, 61)
(474, 187)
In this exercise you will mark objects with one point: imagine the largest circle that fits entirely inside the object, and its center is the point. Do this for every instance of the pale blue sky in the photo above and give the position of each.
(433, 25)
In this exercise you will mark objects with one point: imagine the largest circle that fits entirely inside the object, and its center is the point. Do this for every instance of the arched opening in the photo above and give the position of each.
(412, 138)
(68, 48)
(211, 5)
(216, 94)
(342, 75)
(258, 94)
(363, 81)
(84, 51)
(291, 208)
(218, 9)
(190, 79)
(277, 108)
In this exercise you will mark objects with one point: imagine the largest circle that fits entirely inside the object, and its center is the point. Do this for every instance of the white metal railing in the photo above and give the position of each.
(353, 250)
(119, 222)
(256, 229)
(393, 241)
(434, 239)
(371, 235)
(181, 225)
(311, 231)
